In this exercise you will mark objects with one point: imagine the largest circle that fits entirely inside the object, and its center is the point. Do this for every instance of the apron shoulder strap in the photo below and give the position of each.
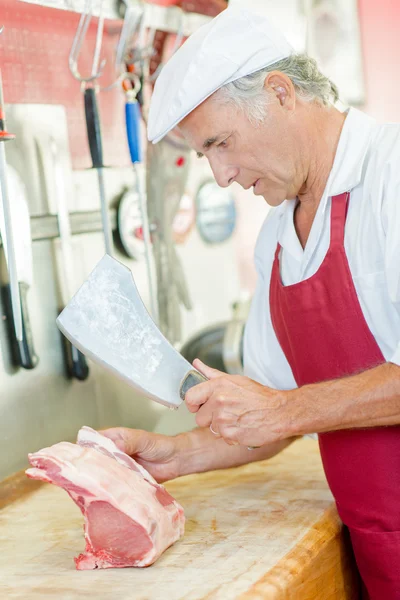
(338, 218)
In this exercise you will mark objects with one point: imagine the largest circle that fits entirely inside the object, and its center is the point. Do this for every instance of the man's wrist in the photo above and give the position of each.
(304, 415)
(318, 407)
(194, 451)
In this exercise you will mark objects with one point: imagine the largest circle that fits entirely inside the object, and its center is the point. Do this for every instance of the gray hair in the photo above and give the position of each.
(248, 93)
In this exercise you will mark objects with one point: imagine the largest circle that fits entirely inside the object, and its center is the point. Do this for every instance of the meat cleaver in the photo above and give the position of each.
(107, 321)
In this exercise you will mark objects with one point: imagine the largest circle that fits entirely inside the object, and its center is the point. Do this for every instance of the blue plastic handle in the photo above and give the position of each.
(132, 116)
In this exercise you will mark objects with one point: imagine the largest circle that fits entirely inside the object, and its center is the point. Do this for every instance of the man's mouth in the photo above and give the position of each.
(255, 184)
(251, 185)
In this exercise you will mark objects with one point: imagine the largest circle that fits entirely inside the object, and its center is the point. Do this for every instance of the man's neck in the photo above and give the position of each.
(324, 129)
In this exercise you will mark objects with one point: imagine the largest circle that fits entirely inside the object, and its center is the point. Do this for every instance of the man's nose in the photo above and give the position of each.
(224, 174)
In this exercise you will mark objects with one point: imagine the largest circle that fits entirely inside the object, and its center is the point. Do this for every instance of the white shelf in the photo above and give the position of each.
(171, 19)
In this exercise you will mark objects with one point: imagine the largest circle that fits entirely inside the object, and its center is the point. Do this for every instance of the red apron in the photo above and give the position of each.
(323, 334)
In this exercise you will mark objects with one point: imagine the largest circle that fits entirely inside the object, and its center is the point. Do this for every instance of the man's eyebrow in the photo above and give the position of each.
(209, 142)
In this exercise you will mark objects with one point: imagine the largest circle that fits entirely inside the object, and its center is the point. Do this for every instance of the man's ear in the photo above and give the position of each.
(282, 87)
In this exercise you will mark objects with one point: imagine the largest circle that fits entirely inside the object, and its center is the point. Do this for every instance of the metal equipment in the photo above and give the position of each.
(131, 84)
(5, 136)
(20, 273)
(76, 362)
(133, 120)
(91, 109)
(168, 165)
(22, 352)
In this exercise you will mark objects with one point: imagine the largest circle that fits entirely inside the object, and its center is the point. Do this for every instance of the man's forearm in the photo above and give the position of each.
(369, 399)
(205, 452)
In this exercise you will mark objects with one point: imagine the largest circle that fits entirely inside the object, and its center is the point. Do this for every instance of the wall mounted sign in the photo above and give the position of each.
(215, 212)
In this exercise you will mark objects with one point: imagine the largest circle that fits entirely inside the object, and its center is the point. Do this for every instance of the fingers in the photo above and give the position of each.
(206, 417)
(228, 433)
(199, 394)
(130, 441)
(206, 370)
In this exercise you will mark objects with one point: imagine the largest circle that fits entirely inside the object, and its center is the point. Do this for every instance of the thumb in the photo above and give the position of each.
(130, 441)
(207, 371)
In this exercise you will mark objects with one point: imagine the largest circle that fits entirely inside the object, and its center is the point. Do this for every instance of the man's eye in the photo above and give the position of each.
(223, 144)
(199, 155)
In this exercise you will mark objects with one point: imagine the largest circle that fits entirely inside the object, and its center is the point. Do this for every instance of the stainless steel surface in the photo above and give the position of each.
(107, 320)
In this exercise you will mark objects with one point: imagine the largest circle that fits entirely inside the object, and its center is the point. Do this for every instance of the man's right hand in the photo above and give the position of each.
(159, 454)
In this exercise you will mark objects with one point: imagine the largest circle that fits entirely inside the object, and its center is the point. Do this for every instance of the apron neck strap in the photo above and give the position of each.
(338, 217)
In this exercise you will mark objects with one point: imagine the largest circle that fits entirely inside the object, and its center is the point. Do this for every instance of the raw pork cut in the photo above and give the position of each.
(130, 520)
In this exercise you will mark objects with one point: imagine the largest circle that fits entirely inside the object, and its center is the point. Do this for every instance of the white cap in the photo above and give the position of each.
(234, 44)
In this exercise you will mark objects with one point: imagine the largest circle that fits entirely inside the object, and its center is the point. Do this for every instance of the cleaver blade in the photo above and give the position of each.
(107, 321)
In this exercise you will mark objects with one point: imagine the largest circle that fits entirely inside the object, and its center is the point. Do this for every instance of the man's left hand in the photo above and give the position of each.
(238, 409)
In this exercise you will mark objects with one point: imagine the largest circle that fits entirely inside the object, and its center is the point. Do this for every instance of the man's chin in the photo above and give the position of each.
(271, 198)
(272, 201)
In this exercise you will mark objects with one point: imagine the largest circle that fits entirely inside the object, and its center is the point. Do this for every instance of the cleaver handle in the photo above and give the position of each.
(191, 379)
(28, 358)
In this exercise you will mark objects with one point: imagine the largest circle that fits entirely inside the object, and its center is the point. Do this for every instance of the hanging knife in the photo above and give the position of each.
(22, 350)
(21, 327)
(76, 361)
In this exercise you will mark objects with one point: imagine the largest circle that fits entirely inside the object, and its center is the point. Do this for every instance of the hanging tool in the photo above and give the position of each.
(8, 240)
(168, 165)
(133, 120)
(76, 362)
(23, 352)
(132, 86)
(91, 109)
(167, 172)
(151, 41)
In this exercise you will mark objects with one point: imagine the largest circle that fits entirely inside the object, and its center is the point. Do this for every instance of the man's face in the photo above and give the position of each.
(264, 157)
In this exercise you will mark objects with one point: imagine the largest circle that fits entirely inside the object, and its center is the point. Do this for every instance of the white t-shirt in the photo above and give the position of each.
(367, 163)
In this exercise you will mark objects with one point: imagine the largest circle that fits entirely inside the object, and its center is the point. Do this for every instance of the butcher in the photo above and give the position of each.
(322, 341)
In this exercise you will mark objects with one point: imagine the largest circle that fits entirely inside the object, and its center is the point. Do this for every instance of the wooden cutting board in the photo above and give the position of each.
(266, 530)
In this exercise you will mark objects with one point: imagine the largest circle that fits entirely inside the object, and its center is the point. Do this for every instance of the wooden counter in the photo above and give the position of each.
(266, 530)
